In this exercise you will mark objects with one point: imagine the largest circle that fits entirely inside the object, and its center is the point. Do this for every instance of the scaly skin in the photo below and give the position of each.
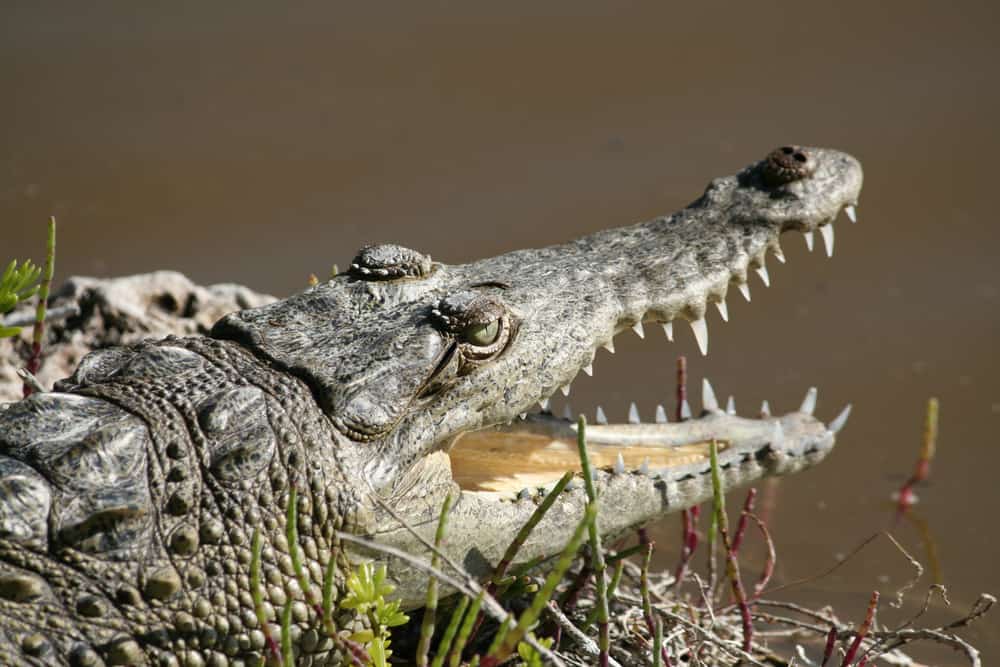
(128, 496)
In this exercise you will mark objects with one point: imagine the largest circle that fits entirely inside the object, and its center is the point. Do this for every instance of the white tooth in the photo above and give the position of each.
(523, 415)
(778, 436)
(841, 419)
(610, 346)
(765, 409)
(633, 414)
(600, 417)
(589, 369)
(568, 413)
(708, 399)
(619, 464)
(644, 468)
(668, 328)
(700, 329)
(564, 389)
(745, 291)
(809, 402)
(852, 213)
(762, 272)
(543, 405)
(661, 415)
(809, 240)
(685, 410)
(524, 494)
(731, 406)
(723, 310)
(826, 231)
(637, 328)
(779, 255)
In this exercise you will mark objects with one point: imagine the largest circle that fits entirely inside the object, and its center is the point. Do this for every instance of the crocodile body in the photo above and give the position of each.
(128, 496)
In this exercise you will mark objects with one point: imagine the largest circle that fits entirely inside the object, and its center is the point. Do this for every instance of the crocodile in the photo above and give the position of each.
(129, 494)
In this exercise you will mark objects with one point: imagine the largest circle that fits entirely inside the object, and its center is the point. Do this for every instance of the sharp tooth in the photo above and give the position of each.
(568, 413)
(633, 414)
(610, 346)
(564, 389)
(765, 278)
(723, 310)
(637, 328)
(523, 494)
(599, 416)
(523, 415)
(571, 485)
(731, 406)
(778, 436)
(589, 369)
(543, 405)
(809, 402)
(685, 410)
(779, 255)
(668, 328)
(809, 240)
(661, 415)
(765, 409)
(619, 464)
(745, 291)
(826, 231)
(644, 468)
(852, 213)
(708, 400)
(700, 329)
(841, 419)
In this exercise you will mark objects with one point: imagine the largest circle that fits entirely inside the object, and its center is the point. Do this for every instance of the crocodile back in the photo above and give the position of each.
(129, 497)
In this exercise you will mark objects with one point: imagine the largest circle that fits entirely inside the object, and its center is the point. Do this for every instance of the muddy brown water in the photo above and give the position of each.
(256, 144)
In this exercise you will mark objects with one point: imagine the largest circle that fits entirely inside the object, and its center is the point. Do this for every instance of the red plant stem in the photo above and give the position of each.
(733, 571)
(923, 468)
(681, 385)
(689, 517)
(831, 641)
(741, 527)
(862, 631)
(768, 571)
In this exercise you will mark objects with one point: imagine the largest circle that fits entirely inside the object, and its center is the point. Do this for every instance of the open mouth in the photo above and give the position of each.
(535, 450)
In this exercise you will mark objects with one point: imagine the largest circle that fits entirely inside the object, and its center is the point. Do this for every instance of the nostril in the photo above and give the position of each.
(786, 164)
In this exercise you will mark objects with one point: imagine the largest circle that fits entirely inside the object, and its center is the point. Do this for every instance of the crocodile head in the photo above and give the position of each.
(427, 369)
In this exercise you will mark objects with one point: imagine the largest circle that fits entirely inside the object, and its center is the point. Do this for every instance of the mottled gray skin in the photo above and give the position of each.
(129, 495)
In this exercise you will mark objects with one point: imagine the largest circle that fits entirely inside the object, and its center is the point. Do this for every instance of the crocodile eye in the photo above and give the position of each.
(481, 324)
(482, 335)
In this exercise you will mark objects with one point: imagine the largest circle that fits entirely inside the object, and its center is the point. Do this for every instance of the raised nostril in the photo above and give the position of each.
(786, 164)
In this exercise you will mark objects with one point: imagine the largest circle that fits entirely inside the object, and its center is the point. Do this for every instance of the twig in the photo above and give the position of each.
(28, 378)
(63, 312)
(586, 644)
